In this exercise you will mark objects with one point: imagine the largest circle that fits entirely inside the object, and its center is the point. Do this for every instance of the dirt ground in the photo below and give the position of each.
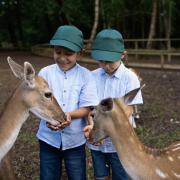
(158, 126)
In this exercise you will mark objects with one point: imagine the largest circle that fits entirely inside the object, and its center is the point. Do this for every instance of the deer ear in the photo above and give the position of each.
(132, 94)
(106, 104)
(29, 74)
(17, 69)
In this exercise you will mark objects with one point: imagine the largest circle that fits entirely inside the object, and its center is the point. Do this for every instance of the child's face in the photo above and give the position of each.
(65, 58)
(109, 67)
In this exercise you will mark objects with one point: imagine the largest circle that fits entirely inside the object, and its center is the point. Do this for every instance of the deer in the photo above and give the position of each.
(31, 96)
(140, 162)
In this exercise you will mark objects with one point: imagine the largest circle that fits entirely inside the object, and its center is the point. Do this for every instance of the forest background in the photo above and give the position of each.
(26, 23)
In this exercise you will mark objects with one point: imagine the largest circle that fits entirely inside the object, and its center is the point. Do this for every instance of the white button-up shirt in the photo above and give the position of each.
(73, 89)
(116, 85)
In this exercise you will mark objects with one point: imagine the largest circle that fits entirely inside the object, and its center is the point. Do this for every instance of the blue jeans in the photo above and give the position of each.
(51, 162)
(102, 162)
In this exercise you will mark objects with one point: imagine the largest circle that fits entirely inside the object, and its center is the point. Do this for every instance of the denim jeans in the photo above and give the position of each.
(51, 162)
(102, 162)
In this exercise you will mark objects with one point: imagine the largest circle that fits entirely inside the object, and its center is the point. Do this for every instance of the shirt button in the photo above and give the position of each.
(64, 91)
(63, 104)
(62, 131)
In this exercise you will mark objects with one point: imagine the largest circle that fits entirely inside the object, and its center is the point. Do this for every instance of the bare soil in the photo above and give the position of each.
(158, 126)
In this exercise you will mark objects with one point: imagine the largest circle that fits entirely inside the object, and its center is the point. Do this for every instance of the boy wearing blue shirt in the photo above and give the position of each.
(114, 80)
(75, 90)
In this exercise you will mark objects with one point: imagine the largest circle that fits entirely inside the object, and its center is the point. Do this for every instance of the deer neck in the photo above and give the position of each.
(11, 120)
(139, 161)
(123, 133)
(128, 146)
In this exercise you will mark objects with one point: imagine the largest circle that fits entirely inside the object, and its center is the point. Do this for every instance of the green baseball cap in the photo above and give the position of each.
(68, 36)
(108, 46)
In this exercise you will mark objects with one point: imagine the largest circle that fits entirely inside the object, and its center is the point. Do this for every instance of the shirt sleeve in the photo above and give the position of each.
(133, 83)
(88, 95)
(42, 73)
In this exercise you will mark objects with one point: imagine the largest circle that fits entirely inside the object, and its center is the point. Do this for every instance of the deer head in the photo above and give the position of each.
(104, 112)
(35, 93)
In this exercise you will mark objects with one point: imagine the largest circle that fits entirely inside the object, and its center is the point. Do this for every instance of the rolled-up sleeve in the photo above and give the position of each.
(88, 94)
(134, 83)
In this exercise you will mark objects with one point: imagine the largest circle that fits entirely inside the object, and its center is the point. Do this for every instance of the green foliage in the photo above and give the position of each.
(25, 23)
(80, 13)
(112, 12)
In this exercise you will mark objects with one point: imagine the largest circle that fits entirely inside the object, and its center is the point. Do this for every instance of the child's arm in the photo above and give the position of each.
(88, 128)
(79, 113)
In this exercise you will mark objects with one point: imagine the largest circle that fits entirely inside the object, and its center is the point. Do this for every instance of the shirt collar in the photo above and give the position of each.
(70, 71)
(118, 73)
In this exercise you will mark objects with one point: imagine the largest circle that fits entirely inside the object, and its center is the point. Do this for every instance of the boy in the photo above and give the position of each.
(113, 79)
(75, 90)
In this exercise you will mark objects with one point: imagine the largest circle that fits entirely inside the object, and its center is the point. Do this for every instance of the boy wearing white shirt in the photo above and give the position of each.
(114, 80)
(75, 90)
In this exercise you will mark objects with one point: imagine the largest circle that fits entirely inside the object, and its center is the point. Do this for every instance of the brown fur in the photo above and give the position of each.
(139, 161)
(6, 168)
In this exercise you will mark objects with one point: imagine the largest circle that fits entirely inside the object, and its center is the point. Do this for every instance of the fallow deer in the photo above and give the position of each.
(32, 95)
(140, 162)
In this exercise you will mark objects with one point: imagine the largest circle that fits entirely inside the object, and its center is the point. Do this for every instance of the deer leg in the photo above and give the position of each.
(6, 168)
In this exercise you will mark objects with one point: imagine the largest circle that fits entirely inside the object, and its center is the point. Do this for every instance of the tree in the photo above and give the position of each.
(153, 24)
(95, 25)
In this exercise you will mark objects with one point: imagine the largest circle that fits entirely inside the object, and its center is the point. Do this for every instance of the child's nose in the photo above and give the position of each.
(63, 57)
(106, 65)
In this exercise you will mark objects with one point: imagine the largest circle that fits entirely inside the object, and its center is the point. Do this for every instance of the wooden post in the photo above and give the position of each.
(169, 49)
(162, 61)
(136, 48)
(169, 31)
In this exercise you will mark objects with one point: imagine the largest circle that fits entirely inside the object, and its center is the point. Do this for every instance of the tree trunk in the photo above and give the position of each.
(48, 24)
(12, 33)
(167, 20)
(62, 15)
(95, 25)
(11, 25)
(153, 24)
(19, 23)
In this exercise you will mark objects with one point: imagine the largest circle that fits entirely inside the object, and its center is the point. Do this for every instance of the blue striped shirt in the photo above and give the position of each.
(117, 85)
(73, 89)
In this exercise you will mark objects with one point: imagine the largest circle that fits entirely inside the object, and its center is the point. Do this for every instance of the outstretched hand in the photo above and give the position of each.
(61, 126)
(88, 128)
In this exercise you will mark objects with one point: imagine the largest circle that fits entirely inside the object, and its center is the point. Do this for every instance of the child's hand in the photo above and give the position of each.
(62, 125)
(87, 130)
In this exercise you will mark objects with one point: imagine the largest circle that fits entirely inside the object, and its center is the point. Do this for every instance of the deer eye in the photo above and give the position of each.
(48, 94)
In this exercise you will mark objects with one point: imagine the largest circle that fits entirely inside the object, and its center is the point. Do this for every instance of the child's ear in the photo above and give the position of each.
(124, 55)
(79, 54)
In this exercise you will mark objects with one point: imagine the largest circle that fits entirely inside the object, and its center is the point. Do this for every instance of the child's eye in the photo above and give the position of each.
(69, 53)
(59, 52)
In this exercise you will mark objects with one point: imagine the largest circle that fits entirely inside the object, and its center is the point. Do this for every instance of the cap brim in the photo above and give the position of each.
(106, 55)
(65, 44)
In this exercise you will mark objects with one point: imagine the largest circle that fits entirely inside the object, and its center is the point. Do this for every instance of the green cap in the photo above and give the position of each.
(108, 46)
(69, 37)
